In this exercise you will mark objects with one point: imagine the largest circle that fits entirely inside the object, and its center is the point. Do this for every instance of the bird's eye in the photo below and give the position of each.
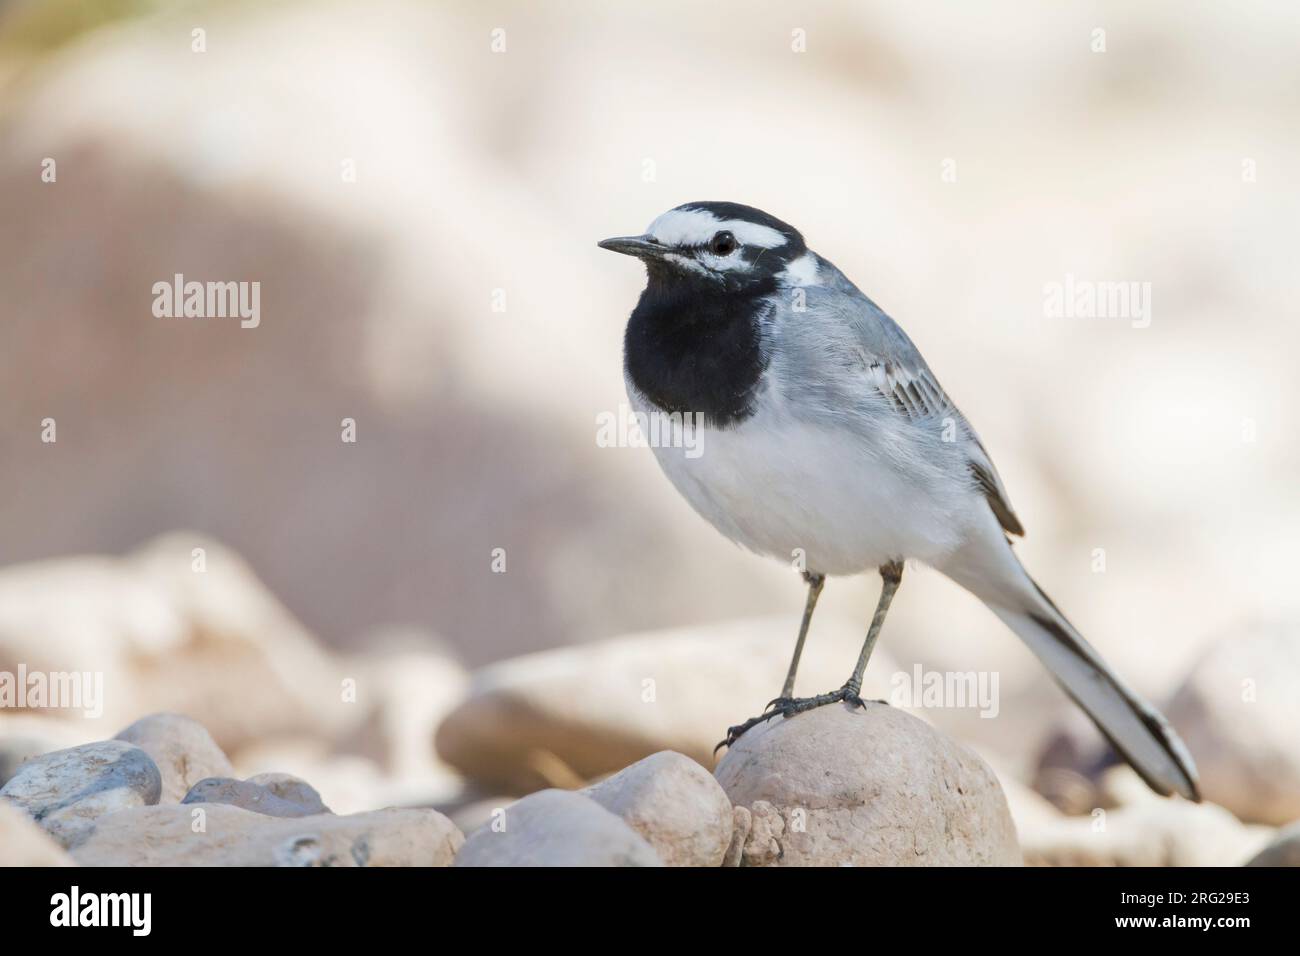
(722, 244)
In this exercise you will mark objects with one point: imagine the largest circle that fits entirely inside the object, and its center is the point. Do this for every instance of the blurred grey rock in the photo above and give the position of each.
(556, 828)
(294, 789)
(1072, 758)
(1239, 713)
(183, 750)
(15, 751)
(1282, 850)
(66, 791)
(221, 835)
(248, 796)
(563, 717)
(23, 843)
(870, 786)
(675, 804)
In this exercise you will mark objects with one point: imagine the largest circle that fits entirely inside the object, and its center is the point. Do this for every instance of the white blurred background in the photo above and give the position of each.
(1169, 157)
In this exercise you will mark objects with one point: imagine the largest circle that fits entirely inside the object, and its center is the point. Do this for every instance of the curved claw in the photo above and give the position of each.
(738, 731)
(733, 734)
(784, 701)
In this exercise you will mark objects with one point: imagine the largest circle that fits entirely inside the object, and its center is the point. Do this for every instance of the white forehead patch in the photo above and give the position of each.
(695, 227)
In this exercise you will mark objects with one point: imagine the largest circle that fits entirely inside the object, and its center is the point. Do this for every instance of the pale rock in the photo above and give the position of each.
(238, 634)
(557, 828)
(472, 812)
(1120, 786)
(1029, 809)
(167, 637)
(870, 786)
(66, 791)
(1282, 850)
(563, 717)
(26, 734)
(23, 843)
(763, 843)
(1239, 713)
(742, 822)
(221, 835)
(1160, 832)
(183, 750)
(675, 804)
(405, 683)
(248, 796)
(406, 692)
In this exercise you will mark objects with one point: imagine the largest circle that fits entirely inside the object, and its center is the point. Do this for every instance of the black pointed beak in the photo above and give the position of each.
(643, 247)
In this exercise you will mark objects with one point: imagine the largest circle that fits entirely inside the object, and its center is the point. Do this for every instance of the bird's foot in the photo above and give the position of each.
(738, 731)
(788, 707)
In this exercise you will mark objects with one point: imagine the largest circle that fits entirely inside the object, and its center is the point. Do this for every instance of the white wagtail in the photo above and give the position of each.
(826, 435)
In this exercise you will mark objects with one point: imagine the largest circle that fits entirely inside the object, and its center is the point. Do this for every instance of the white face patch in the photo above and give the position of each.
(689, 262)
(802, 271)
(695, 227)
(729, 263)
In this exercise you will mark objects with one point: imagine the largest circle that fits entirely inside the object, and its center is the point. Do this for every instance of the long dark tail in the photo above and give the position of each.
(1135, 729)
(989, 568)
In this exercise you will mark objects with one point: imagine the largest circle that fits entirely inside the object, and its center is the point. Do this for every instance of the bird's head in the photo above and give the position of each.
(717, 244)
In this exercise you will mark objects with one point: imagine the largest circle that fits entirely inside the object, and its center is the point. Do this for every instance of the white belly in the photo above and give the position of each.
(824, 499)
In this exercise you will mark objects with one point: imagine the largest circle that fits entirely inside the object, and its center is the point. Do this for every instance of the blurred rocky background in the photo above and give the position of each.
(418, 188)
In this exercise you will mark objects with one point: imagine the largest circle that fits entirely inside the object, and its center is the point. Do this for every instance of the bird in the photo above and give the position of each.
(821, 437)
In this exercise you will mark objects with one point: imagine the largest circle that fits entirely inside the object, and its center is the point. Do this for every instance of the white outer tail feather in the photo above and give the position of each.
(988, 567)
(1135, 729)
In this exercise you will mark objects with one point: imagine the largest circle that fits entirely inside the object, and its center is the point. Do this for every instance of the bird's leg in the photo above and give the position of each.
(815, 582)
(891, 575)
